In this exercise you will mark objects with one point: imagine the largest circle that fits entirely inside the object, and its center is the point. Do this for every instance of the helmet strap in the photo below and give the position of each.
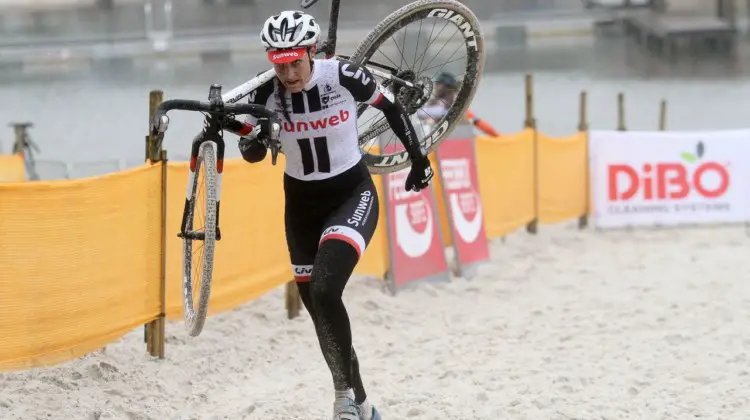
(310, 56)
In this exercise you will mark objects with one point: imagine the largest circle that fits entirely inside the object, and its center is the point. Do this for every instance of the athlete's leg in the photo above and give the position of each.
(302, 228)
(359, 388)
(333, 265)
(347, 234)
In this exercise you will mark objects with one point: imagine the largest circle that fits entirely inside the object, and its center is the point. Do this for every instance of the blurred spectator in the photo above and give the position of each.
(443, 96)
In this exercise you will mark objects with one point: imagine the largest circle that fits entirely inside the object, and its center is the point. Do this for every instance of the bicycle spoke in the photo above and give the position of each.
(429, 41)
(197, 278)
(375, 115)
(444, 64)
(416, 48)
(386, 57)
(401, 62)
(403, 46)
(441, 49)
(449, 61)
(424, 111)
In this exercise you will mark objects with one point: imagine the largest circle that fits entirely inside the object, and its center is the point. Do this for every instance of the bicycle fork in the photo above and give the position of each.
(186, 226)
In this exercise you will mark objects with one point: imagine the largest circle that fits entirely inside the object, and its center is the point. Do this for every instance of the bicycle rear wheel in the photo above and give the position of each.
(428, 20)
(199, 241)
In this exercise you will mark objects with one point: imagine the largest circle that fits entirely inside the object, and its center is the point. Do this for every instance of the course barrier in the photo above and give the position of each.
(87, 260)
(12, 168)
(645, 179)
(83, 258)
(463, 209)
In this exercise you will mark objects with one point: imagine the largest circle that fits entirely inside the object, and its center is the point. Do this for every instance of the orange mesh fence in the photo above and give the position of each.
(12, 168)
(561, 167)
(505, 166)
(82, 258)
(251, 257)
(80, 264)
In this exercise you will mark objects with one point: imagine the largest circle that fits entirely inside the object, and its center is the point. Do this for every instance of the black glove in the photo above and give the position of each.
(420, 174)
(253, 147)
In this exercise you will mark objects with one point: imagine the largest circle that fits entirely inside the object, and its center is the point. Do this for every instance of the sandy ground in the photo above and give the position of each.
(564, 325)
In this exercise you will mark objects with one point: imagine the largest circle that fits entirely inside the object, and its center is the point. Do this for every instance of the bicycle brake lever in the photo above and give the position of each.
(159, 123)
(307, 3)
(274, 141)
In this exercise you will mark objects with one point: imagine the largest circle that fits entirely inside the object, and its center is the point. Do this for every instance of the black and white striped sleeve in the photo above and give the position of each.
(258, 96)
(363, 86)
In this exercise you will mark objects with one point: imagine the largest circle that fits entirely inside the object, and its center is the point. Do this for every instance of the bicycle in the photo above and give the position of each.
(411, 88)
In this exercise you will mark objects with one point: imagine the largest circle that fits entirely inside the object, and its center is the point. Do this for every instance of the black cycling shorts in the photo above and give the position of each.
(344, 207)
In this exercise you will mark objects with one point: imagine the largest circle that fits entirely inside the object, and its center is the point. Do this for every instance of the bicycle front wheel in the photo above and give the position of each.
(415, 44)
(199, 239)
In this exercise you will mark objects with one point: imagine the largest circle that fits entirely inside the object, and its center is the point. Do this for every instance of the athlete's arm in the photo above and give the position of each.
(239, 128)
(259, 97)
(252, 148)
(364, 88)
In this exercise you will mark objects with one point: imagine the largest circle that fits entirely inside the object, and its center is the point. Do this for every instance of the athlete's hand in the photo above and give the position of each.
(420, 174)
(253, 147)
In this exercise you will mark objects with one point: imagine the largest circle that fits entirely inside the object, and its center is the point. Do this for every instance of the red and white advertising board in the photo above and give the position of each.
(415, 244)
(460, 189)
(669, 178)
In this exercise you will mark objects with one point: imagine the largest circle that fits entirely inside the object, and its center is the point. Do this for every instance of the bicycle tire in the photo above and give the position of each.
(412, 12)
(195, 318)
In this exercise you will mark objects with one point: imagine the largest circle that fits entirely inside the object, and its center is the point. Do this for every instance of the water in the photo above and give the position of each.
(102, 114)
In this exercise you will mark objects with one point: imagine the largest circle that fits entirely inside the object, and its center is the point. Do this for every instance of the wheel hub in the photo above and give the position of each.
(412, 98)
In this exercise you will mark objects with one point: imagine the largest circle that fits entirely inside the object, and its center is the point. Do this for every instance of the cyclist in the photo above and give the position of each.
(446, 87)
(331, 208)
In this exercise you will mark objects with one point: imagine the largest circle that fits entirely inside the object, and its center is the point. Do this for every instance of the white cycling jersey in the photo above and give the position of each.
(321, 139)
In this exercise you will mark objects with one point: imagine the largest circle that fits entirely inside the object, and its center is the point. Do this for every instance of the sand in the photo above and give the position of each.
(565, 325)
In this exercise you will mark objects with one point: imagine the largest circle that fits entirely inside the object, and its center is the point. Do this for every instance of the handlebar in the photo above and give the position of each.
(217, 107)
(255, 110)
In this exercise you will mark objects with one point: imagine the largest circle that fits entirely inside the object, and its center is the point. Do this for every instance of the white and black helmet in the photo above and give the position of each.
(290, 29)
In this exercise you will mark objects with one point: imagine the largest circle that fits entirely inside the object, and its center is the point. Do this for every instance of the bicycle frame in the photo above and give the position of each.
(328, 46)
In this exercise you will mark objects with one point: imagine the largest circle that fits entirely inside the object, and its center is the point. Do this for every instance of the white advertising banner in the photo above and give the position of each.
(669, 178)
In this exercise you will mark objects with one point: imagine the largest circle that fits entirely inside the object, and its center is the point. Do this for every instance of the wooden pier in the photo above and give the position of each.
(670, 34)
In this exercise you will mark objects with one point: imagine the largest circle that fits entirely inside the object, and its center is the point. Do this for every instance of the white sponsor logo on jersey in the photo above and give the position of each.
(359, 74)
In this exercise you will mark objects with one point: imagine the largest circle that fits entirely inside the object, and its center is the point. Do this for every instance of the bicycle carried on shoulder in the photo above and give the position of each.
(410, 82)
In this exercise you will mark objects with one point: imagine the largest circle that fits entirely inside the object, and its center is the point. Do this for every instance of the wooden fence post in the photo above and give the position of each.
(154, 330)
(155, 98)
(663, 115)
(530, 122)
(293, 302)
(583, 127)
(159, 337)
